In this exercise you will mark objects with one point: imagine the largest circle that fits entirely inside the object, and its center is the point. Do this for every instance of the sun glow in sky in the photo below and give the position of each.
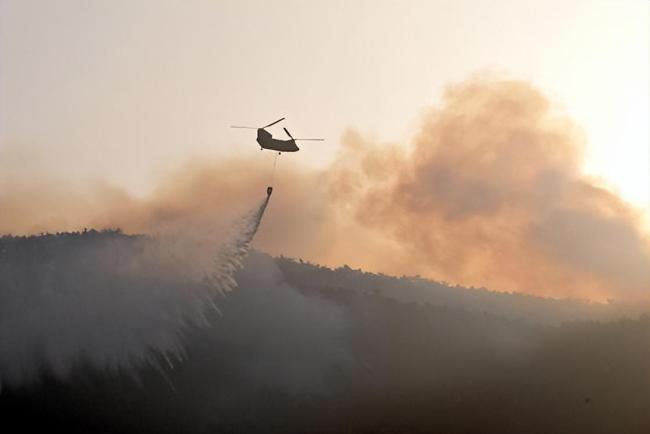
(122, 89)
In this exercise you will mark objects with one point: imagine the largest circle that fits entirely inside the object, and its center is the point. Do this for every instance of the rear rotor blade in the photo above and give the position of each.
(248, 128)
(288, 133)
(312, 140)
(273, 123)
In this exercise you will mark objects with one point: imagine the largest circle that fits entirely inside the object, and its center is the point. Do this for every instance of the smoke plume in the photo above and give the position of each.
(490, 193)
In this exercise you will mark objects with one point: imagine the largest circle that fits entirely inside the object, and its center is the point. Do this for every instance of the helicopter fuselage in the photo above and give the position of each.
(266, 141)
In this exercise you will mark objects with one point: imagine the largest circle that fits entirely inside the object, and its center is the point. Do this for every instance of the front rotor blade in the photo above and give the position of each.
(288, 133)
(248, 128)
(273, 123)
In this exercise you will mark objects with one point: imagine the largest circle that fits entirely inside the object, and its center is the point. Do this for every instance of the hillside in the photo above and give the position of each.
(310, 277)
(302, 348)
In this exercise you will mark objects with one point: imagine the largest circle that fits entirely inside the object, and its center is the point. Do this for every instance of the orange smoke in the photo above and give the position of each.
(489, 194)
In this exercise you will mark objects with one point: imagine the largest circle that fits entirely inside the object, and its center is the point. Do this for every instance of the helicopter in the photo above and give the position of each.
(266, 140)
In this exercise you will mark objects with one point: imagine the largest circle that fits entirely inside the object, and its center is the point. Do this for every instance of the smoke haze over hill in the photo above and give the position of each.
(490, 194)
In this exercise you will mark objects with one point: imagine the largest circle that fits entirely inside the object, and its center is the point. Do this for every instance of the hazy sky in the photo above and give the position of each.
(125, 89)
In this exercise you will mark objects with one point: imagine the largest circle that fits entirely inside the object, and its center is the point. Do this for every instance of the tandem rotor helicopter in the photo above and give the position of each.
(266, 140)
